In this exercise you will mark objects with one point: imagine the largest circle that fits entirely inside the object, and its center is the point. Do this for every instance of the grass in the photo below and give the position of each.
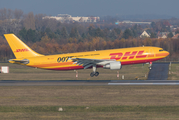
(89, 95)
(173, 72)
(19, 72)
(89, 102)
(26, 109)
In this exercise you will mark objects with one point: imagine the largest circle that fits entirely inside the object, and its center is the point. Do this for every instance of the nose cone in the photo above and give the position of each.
(167, 53)
(162, 54)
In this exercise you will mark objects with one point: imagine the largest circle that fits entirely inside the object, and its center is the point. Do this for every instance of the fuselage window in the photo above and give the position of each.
(161, 50)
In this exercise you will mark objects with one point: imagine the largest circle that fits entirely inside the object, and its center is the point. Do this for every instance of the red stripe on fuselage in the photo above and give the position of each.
(122, 63)
(139, 61)
(71, 68)
(68, 68)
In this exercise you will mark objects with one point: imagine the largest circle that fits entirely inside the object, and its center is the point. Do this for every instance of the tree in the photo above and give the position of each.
(91, 30)
(77, 33)
(3, 14)
(29, 35)
(39, 22)
(127, 33)
(9, 14)
(113, 35)
(83, 36)
(136, 30)
(117, 30)
(98, 33)
(45, 39)
(153, 35)
(106, 32)
(23, 33)
(32, 36)
(153, 25)
(18, 14)
(74, 33)
(170, 35)
(64, 33)
(29, 21)
(177, 31)
(50, 33)
(134, 33)
(53, 24)
(58, 32)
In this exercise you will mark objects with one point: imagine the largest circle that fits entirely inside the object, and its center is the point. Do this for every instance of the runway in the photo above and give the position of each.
(159, 71)
(86, 82)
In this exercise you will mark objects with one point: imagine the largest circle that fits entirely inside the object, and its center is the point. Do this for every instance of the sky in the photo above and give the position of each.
(95, 7)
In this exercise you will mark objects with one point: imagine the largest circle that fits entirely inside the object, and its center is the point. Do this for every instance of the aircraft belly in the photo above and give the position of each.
(60, 66)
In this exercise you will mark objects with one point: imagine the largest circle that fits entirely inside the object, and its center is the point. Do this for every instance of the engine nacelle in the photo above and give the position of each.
(113, 66)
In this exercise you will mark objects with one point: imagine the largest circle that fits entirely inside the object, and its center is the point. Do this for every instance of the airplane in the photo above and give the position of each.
(112, 59)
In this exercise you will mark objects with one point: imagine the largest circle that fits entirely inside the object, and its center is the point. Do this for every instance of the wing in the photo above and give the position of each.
(86, 63)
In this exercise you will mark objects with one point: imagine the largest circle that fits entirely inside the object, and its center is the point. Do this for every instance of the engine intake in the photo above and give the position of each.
(113, 66)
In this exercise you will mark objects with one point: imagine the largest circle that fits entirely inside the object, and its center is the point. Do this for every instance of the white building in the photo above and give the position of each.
(164, 35)
(66, 17)
(130, 22)
(144, 34)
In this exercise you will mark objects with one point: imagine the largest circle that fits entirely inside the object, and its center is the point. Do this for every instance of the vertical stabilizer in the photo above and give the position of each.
(19, 48)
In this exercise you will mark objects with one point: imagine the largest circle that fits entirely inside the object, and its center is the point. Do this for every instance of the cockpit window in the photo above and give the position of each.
(161, 50)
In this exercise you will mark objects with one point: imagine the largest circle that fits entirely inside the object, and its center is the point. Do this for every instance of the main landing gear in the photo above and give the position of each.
(94, 73)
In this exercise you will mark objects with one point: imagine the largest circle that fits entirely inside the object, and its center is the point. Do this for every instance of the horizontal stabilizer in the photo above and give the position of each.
(24, 61)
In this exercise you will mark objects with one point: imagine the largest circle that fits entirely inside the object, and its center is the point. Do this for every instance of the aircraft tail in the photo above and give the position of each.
(19, 48)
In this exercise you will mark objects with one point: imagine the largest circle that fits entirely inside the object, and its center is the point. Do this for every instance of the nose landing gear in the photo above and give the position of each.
(150, 66)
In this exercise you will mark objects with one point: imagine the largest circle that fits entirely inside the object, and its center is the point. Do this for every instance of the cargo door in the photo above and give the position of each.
(151, 53)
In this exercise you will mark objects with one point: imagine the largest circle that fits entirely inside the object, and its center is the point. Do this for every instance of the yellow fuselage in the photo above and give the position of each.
(135, 55)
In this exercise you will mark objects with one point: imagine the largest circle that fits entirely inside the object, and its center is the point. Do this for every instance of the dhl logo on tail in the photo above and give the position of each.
(21, 50)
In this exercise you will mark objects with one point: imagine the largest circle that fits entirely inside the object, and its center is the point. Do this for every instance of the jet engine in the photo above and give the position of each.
(113, 66)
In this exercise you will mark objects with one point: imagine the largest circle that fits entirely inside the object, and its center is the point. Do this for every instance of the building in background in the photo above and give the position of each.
(130, 22)
(144, 34)
(164, 35)
(66, 17)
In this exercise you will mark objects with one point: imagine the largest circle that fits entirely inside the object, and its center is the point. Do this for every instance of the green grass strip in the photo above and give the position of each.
(90, 108)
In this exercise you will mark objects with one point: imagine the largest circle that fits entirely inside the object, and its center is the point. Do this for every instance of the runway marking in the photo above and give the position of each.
(86, 82)
(143, 83)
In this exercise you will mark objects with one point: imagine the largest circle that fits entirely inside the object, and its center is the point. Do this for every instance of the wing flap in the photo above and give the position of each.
(87, 66)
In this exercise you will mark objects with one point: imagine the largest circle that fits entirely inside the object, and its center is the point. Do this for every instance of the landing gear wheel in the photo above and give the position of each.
(92, 74)
(96, 74)
(94, 71)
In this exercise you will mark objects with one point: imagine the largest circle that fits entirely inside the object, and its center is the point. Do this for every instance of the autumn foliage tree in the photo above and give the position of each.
(49, 36)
